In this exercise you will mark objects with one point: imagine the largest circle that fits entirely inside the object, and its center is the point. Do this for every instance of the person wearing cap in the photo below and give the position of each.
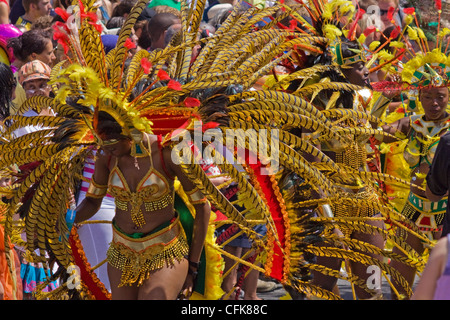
(33, 76)
(32, 45)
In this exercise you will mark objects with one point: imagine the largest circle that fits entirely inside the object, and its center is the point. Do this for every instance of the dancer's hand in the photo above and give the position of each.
(188, 287)
(189, 283)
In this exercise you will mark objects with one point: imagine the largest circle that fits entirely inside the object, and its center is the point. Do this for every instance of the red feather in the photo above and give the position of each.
(409, 10)
(352, 31)
(390, 14)
(62, 13)
(439, 4)
(369, 30)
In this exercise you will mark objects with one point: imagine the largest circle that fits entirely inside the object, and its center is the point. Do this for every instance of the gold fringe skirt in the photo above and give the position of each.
(355, 205)
(138, 257)
(351, 207)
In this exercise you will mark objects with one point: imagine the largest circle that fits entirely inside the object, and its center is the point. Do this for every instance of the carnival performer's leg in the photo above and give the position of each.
(230, 280)
(322, 280)
(251, 283)
(165, 283)
(407, 272)
(371, 274)
(124, 292)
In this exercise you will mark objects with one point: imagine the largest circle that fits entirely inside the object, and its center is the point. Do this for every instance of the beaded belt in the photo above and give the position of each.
(426, 206)
(427, 215)
(136, 258)
(349, 205)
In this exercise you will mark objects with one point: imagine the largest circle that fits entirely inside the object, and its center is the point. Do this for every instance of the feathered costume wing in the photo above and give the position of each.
(167, 91)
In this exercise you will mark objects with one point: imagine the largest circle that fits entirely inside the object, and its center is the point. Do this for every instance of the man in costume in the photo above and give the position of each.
(425, 77)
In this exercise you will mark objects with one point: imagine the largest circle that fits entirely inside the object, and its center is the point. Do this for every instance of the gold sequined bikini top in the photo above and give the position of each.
(153, 190)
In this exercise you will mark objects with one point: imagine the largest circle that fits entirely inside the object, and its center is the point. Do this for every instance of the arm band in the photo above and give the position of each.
(196, 196)
(96, 190)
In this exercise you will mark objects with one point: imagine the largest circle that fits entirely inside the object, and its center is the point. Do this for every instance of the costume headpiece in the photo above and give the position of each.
(336, 20)
(346, 62)
(427, 66)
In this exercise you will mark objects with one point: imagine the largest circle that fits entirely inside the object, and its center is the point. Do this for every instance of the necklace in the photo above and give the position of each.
(136, 163)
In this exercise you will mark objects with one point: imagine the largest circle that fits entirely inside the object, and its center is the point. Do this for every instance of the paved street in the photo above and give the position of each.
(344, 288)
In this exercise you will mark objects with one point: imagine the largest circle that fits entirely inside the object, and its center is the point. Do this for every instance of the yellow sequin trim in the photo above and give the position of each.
(137, 200)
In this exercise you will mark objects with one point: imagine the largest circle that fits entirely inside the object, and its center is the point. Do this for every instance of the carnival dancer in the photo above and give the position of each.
(346, 61)
(422, 132)
(423, 76)
(356, 156)
(148, 247)
(335, 80)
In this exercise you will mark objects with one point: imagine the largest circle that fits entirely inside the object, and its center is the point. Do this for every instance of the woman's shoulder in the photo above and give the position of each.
(102, 159)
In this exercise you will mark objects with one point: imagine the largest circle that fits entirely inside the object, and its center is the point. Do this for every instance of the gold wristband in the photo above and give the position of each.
(96, 190)
(196, 196)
